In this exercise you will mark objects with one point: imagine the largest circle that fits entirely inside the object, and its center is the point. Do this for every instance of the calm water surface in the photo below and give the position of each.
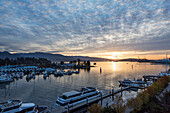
(45, 92)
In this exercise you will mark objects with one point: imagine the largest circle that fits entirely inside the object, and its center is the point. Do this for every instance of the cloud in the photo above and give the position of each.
(84, 26)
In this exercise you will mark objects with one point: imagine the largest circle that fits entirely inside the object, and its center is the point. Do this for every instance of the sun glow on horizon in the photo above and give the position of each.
(153, 55)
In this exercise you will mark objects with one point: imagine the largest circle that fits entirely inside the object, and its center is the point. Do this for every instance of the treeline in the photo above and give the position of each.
(24, 61)
(78, 62)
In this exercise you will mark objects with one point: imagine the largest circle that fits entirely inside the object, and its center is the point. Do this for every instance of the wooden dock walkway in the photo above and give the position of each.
(87, 102)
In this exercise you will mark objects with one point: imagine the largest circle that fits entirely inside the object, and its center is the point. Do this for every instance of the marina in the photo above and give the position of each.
(85, 102)
(79, 56)
(48, 78)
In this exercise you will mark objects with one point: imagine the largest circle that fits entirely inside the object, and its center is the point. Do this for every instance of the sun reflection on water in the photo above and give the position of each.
(114, 66)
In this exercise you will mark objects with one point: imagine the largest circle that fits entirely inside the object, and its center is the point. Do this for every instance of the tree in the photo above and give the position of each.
(134, 103)
(62, 62)
(119, 104)
(88, 63)
(78, 61)
(143, 96)
(109, 109)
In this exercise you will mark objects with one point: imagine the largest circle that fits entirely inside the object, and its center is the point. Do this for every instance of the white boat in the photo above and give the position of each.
(45, 74)
(59, 73)
(77, 97)
(16, 106)
(4, 79)
(134, 84)
(33, 76)
(33, 73)
(125, 82)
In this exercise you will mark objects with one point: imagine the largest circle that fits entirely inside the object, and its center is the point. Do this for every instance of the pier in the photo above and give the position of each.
(88, 102)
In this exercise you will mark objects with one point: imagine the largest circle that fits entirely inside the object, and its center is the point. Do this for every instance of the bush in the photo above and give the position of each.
(109, 109)
(119, 104)
(95, 108)
(143, 96)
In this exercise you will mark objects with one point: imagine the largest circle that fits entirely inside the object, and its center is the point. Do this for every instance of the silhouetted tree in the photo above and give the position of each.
(78, 61)
(88, 63)
(62, 62)
(41, 62)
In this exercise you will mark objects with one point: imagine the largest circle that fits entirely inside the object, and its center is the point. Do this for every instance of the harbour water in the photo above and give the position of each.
(104, 76)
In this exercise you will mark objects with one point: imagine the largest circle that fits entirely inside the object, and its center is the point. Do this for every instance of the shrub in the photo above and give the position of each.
(95, 108)
(119, 104)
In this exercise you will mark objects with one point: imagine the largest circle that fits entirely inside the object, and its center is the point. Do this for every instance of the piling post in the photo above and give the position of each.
(68, 108)
(87, 101)
(100, 70)
(101, 98)
(112, 94)
(121, 90)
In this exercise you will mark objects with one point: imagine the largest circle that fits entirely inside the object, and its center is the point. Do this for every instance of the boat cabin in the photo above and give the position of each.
(70, 94)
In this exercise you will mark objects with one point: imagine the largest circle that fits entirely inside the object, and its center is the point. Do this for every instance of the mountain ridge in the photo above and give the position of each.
(49, 56)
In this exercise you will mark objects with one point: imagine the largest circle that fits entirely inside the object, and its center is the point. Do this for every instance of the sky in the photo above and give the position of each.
(100, 28)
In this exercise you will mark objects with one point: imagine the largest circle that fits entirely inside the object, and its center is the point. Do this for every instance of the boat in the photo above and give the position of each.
(68, 73)
(16, 106)
(59, 73)
(141, 83)
(4, 79)
(28, 76)
(77, 96)
(33, 76)
(134, 84)
(45, 74)
(162, 74)
(41, 109)
(125, 82)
